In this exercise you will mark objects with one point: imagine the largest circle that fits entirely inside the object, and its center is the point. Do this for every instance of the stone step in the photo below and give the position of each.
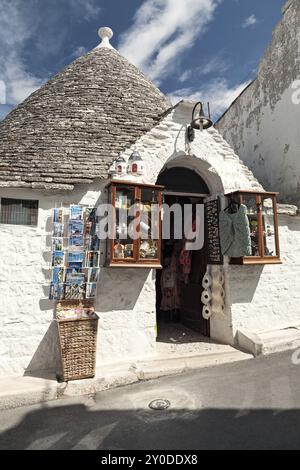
(268, 342)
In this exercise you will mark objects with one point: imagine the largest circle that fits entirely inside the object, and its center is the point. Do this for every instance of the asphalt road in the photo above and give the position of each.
(252, 404)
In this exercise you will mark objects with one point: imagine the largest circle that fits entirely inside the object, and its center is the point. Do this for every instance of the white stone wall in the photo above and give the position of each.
(264, 298)
(28, 339)
(126, 297)
(262, 125)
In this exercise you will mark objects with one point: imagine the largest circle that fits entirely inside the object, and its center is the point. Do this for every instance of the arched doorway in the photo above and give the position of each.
(179, 283)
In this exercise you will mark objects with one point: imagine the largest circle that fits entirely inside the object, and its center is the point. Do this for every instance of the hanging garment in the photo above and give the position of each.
(169, 286)
(235, 233)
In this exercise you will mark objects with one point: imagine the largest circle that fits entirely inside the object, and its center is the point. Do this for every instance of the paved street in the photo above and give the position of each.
(247, 405)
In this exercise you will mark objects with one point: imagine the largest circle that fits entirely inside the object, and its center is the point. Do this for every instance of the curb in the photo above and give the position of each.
(42, 390)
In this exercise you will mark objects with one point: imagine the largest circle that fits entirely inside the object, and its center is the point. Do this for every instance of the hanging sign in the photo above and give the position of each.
(212, 209)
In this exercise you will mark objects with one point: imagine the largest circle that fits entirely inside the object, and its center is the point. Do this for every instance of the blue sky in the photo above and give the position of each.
(198, 49)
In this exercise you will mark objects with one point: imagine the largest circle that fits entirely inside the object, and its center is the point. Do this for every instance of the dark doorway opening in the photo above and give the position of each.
(179, 283)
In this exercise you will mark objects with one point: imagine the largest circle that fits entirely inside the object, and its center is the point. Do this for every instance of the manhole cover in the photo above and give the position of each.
(159, 404)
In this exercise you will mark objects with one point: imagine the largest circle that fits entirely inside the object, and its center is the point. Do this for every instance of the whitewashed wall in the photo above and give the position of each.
(126, 297)
(265, 298)
(262, 125)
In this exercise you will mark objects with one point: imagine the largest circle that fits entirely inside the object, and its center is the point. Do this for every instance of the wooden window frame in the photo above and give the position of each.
(262, 258)
(135, 261)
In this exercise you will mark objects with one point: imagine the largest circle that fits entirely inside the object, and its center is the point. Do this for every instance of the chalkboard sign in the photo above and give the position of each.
(212, 209)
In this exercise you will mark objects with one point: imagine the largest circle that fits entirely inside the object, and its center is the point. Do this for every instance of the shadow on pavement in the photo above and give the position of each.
(80, 427)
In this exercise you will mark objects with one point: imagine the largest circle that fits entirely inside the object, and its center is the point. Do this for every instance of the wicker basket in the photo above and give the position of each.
(78, 341)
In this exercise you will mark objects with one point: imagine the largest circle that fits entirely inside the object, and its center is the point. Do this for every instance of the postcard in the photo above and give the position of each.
(57, 244)
(58, 215)
(75, 287)
(76, 257)
(91, 290)
(58, 258)
(56, 292)
(72, 272)
(92, 259)
(76, 212)
(90, 214)
(58, 230)
(76, 229)
(93, 243)
(93, 275)
(75, 266)
(76, 243)
(57, 275)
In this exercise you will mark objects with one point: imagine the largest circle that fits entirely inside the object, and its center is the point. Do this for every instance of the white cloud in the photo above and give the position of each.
(88, 9)
(250, 21)
(162, 31)
(16, 27)
(217, 92)
(79, 51)
(23, 24)
(215, 65)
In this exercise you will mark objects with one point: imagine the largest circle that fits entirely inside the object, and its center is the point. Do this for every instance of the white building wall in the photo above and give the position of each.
(265, 298)
(262, 125)
(126, 297)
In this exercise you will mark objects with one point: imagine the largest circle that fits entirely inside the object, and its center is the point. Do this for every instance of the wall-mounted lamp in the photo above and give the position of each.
(200, 122)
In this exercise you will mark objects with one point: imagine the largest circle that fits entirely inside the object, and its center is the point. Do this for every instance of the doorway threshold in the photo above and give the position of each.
(177, 340)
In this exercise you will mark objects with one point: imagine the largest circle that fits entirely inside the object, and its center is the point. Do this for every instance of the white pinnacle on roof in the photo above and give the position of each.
(105, 34)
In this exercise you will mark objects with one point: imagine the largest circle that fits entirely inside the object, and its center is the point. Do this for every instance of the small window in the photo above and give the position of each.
(263, 222)
(145, 250)
(19, 211)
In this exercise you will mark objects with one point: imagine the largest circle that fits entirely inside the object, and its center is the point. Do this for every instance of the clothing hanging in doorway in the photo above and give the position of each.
(235, 233)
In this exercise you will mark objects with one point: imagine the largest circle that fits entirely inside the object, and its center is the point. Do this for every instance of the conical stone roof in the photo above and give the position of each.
(70, 130)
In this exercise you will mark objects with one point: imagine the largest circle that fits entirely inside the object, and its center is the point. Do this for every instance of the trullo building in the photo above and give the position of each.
(99, 132)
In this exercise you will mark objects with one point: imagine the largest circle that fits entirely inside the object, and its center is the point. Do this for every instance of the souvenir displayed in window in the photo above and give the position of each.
(57, 275)
(76, 212)
(261, 210)
(136, 238)
(56, 291)
(148, 249)
(58, 258)
(91, 290)
(119, 251)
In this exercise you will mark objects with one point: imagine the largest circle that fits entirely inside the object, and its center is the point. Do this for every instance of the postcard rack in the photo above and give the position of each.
(74, 276)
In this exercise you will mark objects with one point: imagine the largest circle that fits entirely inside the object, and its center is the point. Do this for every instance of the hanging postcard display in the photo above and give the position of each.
(75, 257)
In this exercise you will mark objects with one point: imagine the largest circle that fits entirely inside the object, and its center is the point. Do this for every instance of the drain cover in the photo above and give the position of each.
(159, 404)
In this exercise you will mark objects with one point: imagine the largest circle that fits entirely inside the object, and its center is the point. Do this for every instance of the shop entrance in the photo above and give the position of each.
(179, 283)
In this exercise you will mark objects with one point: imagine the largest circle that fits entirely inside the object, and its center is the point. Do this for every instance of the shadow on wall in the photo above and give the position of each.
(45, 360)
(120, 288)
(243, 283)
(77, 427)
